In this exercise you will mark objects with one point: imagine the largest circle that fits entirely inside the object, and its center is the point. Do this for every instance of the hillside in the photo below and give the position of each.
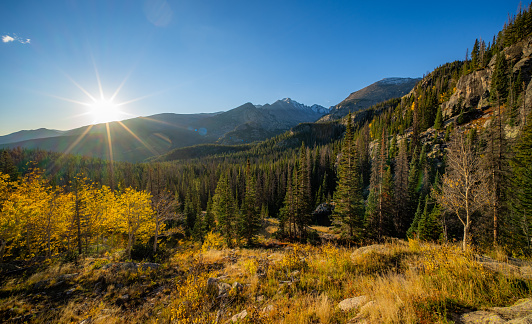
(25, 135)
(373, 94)
(294, 283)
(136, 139)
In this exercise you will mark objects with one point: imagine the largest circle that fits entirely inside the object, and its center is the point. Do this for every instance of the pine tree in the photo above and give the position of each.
(7, 166)
(475, 54)
(223, 205)
(250, 222)
(349, 209)
(429, 228)
(379, 214)
(302, 193)
(402, 217)
(438, 123)
(521, 165)
(413, 229)
(209, 221)
(496, 164)
(499, 79)
(190, 213)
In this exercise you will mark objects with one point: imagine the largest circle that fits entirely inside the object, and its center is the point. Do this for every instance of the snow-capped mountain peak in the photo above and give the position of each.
(391, 81)
(315, 108)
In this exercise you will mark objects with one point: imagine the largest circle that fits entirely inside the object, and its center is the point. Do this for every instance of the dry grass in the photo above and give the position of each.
(404, 282)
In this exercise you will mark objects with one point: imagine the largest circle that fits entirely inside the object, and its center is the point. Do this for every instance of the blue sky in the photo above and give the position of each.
(206, 56)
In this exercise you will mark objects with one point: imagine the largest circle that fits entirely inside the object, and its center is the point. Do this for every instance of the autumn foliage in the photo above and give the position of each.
(39, 219)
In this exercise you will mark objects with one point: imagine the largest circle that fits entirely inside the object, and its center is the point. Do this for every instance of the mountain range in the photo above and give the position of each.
(140, 138)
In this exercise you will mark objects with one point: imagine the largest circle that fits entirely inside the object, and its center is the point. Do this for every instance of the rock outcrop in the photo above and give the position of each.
(350, 304)
(472, 90)
(520, 312)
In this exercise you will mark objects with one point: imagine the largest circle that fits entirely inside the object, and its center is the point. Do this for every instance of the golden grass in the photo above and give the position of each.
(404, 282)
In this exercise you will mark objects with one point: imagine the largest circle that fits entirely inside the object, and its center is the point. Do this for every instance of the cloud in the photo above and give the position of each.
(8, 38)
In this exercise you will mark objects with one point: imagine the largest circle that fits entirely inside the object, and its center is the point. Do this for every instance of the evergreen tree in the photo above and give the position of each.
(438, 122)
(379, 214)
(475, 54)
(499, 79)
(429, 228)
(190, 213)
(209, 221)
(250, 221)
(223, 204)
(349, 209)
(402, 217)
(302, 193)
(7, 166)
(496, 164)
(522, 182)
(288, 211)
(413, 229)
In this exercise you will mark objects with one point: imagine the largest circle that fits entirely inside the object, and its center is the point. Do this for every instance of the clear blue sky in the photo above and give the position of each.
(205, 56)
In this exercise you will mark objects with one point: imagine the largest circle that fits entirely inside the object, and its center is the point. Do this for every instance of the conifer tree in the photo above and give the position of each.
(380, 201)
(499, 79)
(429, 228)
(349, 209)
(496, 164)
(7, 166)
(223, 205)
(250, 221)
(209, 221)
(302, 193)
(288, 211)
(438, 122)
(521, 165)
(402, 218)
(413, 229)
(475, 54)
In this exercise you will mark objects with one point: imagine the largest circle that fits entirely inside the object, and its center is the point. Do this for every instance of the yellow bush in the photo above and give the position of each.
(213, 241)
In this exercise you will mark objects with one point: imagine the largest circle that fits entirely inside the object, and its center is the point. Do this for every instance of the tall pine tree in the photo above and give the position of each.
(349, 209)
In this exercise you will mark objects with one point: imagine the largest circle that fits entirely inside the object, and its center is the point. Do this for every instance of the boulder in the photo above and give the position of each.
(481, 317)
(149, 265)
(365, 250)
(520, 312)
(223, 288)
(268, 309)
(239, 316)
(237, 286)
(350, 304)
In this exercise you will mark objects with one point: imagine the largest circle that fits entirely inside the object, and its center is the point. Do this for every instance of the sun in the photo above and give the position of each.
(104, 111)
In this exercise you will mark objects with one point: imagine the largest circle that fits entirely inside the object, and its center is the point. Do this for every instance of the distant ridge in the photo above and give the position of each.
(158, 134)
(25, 135)
(375, 93)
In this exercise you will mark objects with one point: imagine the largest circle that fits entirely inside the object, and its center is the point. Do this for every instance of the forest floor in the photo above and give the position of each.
(395, 282)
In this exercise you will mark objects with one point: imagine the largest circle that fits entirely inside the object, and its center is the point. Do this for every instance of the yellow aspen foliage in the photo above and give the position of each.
(38, 219)
(135, 216)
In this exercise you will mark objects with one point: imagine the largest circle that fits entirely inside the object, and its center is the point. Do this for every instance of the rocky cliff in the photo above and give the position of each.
(473, 90)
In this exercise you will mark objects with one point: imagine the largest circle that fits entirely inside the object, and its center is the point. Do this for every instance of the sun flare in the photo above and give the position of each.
(104, 111)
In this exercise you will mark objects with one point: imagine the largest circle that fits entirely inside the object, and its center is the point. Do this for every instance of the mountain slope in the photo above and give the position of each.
(25, 135)
(375, 93)
(137, 139)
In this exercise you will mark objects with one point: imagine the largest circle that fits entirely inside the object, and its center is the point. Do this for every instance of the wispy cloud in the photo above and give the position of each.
(15, 38)
(7, 39)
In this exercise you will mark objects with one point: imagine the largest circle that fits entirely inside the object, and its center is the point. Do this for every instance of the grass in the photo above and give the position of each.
(406, 283)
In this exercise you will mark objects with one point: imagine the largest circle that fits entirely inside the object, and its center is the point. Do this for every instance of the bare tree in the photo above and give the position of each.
(164, 206)
(163, 203)
(463, 189)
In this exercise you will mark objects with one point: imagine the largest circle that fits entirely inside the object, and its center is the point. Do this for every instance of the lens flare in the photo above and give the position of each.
(104, 111)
